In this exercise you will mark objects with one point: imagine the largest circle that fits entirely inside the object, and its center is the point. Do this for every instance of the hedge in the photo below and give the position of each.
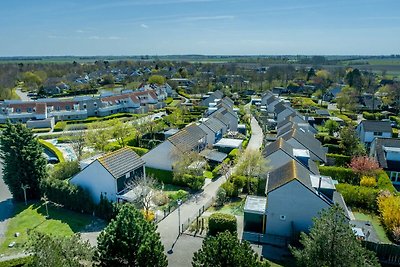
(41, 130)
(333, 149)
(139, 150)
(53, 149)
(384, 183)
(233, 154)
(341, 174)
(18, 262)
(168, 100)
(245, 143)
(60, 126)
(359, 196)
(221, 222)
(72, 197)
(167, 177)
(340, 160)
(373, 116)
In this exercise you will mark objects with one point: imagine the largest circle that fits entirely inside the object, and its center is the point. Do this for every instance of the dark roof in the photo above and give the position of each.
(286, 173)
(187, 138)
(121, 162)
(221, 118)
(376, 126)
(213, 155)
(214, 124)
(308, 141)
(377, 149)
(322, 112)
(289, 118)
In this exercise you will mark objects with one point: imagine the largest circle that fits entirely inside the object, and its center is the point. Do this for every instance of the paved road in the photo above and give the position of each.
(22, 95)
(183, 248)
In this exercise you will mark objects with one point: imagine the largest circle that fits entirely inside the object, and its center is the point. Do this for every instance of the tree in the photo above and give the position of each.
(347, 99)
(23, 162)
(77, 139)
(332, 126)
(49, 250)
(225, 249)
(144, 190)
(364, 165)
(332, 242)
(120, 131)
(130, 240)
(252, 164)
(98, 135)
(187, 162)
(349, 143)
(156, 79)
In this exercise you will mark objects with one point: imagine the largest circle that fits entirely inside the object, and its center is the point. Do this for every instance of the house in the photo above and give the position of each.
(280, 152)
(367, 130)
(294, 197)
(300, 139)
(211, 98)
(332, 93)
(110, 174)
(214, 128)
(387, 152)
(291, 125)
(229, 115)
(190, 138)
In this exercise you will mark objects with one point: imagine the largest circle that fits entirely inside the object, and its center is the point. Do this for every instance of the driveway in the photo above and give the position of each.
(22, 95)
(6, 205)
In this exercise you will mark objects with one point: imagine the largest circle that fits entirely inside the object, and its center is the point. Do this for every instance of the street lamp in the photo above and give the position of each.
(46, 201)
(179, 201)
(24, 187)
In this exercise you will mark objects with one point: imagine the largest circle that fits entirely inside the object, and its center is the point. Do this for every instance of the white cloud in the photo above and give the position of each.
(80, 31)
(144, 25)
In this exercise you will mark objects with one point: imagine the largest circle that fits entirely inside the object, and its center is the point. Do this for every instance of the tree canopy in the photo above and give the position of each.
(332, 242)
(225, 249)
(130, 240)
(23, 162)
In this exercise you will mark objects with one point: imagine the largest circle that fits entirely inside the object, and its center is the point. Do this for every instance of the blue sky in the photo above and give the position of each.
(231, 27)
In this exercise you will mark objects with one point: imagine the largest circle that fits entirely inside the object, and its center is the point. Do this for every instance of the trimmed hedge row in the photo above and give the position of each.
(341, 174)
(167, 177)
(384, 183)
(373, 116)
(18, 262)
(333, 149)
(139, 150)
(53, 149)
(340, 160)
(221, 222)
(60, 126)
(359, 196)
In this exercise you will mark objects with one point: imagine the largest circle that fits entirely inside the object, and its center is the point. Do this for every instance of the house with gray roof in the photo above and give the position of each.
(214, 128)
(211, 98)
(300, 139)
(367, 130)
(110, 174)
(229, 115)
(190, 138)
(387, 152)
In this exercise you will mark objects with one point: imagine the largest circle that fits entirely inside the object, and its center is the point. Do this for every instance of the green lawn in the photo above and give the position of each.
(174, 103)
(234, 207)
(208, 174)
(374, 219)
(61, 222)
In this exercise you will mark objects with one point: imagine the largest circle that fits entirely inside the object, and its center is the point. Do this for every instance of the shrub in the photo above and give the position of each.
(65, 170)
(167, 177)
(221, 197)
(251, 186)
(221, 222)
(18, 262)
(139, 150)
(384, 182)
(389, 206)
(245, 143)
(341, 174)
(230, 189)
(60, 126)
(193, 182)
(368, 181)
(105, 209)
(333, 149)
(41, 130)
(233, 154)
(359, 196)
(160, 198)
(239, 181)
(217, 171)
(340, 160)
(363, 165)
(53, 149)
(180, 194)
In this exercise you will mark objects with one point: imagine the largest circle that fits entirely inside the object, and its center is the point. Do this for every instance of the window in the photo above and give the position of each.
(67, 107)
(378, 133)
(282, 217)
(18, 110)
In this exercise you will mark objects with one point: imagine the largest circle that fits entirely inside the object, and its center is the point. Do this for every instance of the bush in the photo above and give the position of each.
(65, 170)
(341, 174)
(230, 189)
(340, 160)
(217, 171)
(53, 149)
(105, 209)
(160, 198)
(233, 154)
(384, 182)
(180, 194)
(389, 206)
(251, 186)
(72, 197)
(167, 177)
(168, 100)
(41, 130)
(60, 126)
(359, 196)
(193, 182)
(333, 149)
(368, 181)
(18, 262)
(221, 197)
(139, 150)
(245, 143)
(239, 181)
(221, 222)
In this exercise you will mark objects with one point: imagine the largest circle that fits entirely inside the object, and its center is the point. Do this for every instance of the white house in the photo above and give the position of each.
(110, 174)
(367, 130)
(214, 129)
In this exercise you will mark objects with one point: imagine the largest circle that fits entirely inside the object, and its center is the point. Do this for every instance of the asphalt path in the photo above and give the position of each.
(6, 205)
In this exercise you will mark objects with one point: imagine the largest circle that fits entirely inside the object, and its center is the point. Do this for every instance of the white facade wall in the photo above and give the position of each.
(210, 134)
(160, 157)
(292, 206)
(96, 180)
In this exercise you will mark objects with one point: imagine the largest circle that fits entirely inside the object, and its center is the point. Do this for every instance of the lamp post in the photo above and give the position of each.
(46, 200)
(24, 187)
(179, 201)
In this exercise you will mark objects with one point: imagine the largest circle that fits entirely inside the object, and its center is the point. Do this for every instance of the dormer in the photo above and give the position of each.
(302, 155)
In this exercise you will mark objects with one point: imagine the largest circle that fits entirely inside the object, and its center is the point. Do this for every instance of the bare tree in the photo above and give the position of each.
(144, 190)
(77, 139)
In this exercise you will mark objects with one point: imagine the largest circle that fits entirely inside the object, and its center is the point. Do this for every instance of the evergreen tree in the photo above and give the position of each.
(332, 242)
(23, 162)
(130, 240)
(225, 250)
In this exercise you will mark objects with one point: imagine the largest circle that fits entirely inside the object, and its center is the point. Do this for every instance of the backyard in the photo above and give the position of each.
(61, 222)
(376, 223)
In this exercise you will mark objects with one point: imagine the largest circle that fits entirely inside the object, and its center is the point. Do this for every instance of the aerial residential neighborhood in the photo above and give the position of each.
(199, 133)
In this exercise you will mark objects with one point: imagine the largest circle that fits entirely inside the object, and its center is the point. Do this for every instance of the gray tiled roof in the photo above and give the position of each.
(213, 155)
(214, 124)
(187, 138)
(379, 152)
(221, 117)
(120, 162)
(376, 126)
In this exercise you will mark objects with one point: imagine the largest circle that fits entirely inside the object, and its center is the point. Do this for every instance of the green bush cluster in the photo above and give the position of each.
(216, 171)
(139, 150)
(341, 174)
(180, 194)
(245, 143)
(233, 154)
(168, 100)
(167, 177)
(193, 182)
(327, 139)
(373, 116)
(333, 149)
(384, 183)
(359, 196)
(72, 197)
(230, 189)
(60, 126)
(221, 222)
(340, 160)
(41, 130)
(53, 149)
(18, 262)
